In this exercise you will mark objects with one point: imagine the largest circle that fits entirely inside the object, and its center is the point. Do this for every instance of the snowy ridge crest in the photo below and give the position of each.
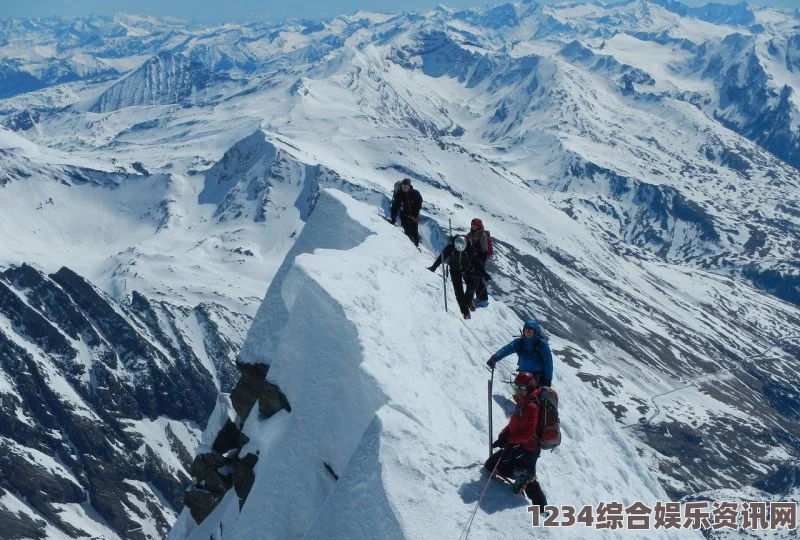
(370, 388)
(635, 162)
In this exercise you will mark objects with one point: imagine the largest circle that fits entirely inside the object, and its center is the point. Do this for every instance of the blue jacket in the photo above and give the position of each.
(534, 354)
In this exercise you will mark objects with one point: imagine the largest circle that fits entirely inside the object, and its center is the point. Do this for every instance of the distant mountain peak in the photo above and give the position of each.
(165, 79)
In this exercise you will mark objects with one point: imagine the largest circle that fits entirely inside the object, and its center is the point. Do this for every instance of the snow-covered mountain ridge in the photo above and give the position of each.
(635, 164)
(600, 68)
(390, 421)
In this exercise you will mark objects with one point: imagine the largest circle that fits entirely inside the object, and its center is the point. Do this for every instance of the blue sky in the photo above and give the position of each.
(237, 10)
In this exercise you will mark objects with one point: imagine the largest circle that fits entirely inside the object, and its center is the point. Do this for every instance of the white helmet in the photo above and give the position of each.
(460, 243)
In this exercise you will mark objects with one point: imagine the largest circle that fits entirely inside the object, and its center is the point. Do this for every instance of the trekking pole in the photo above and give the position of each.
(491, 381)
(444, 280)
(444, 268)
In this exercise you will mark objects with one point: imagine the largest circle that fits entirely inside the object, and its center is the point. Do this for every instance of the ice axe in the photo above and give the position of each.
(491, 436)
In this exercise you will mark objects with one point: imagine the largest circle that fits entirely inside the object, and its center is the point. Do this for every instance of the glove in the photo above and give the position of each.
(502, 440)
(547, 383)
(487, 277)
(491, 362)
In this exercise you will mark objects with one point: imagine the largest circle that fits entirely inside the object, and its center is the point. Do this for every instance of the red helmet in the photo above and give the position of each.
(477, 223)
(524, 383)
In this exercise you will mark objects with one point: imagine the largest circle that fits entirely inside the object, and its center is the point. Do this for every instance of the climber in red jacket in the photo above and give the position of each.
(518, 443)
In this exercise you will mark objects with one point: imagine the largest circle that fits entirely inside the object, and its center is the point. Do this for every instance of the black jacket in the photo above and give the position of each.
(462, 262)
(408, 203)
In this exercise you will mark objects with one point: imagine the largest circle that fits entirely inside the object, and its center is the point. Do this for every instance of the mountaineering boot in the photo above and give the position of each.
(472, 305)
(534, 492)
(522, 481)
(467, 315)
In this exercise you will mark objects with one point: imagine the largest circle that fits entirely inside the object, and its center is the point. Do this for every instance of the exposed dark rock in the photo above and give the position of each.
(782, 284)
(139, 167)
(228, 438)
(206, 471)
(170, 484)
(120, 378)
(35, 483)
(200, 502)
(28, 321)
(209, 470)
(178, 448)
(20, 526)
(219, 346)
(331, 471)
(243, 476)
(107, 493)
(253, 386)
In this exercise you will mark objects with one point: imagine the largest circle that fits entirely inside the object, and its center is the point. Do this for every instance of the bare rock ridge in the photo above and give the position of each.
(90, 378)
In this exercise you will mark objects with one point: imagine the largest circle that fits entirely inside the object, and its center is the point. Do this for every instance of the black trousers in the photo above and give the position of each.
(410, 227)
(512, 459)
(463, 297)
(481, 292)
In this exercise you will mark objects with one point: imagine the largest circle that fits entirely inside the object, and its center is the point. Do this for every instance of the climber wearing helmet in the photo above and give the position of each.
(460, 258)
(518, 443)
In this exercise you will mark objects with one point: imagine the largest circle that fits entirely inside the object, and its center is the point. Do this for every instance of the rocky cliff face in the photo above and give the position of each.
(164, 79)
(101, 403)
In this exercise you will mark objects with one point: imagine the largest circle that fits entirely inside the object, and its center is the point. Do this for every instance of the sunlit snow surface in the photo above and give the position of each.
(390, 390)
(648, 315)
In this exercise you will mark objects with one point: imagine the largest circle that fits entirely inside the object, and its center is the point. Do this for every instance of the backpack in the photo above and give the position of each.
(549, 426)
(489, 249)
(549, 430)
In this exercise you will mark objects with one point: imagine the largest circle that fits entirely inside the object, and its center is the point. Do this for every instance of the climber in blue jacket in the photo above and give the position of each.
(533, 352)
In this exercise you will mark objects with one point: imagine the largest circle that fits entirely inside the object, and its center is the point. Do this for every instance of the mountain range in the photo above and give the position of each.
(635, 162)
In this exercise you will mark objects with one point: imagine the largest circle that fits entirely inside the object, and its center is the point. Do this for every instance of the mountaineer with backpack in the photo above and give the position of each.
(533, 353)
(522, 440)
(460, 258)
(481, 241)
(408, 203)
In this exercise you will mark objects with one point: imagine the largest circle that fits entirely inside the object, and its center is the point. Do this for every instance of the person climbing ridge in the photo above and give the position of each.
(408, 203)
(461, 259)
(518, 442)
(533, 353)
(481, 242)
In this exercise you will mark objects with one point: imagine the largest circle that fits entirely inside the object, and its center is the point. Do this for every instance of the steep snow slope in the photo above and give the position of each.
(602, 145)
(388, 392)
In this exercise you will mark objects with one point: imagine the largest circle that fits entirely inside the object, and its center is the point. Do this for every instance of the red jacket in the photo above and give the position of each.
(523, 424)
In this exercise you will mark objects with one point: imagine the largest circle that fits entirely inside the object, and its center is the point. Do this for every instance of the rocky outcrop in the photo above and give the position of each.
(223, 466)
(20, 526)
(99, 398)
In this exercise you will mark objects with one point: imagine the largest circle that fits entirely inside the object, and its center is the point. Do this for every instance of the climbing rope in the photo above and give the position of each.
(505, 370)
(465, 532)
